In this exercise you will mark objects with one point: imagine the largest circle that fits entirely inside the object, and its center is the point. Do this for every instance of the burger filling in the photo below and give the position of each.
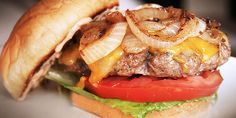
(148, 59)
(135, 109)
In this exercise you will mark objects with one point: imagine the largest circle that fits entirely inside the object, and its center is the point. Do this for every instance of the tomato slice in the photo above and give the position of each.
(152, 89)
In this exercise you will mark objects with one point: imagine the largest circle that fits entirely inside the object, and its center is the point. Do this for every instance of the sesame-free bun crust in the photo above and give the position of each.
(36, 35)
(198, 109)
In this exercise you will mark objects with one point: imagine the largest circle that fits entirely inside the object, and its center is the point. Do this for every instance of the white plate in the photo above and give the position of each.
(46, 103)
(226, 104)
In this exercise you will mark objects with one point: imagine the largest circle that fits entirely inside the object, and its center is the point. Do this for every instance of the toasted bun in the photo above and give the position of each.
(36, 35)
(187, 110)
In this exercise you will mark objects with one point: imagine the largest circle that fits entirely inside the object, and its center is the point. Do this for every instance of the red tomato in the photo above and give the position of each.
(152, 89)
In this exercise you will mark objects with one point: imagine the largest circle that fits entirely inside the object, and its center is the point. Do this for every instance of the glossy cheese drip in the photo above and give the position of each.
(102, 67)
(199, 46)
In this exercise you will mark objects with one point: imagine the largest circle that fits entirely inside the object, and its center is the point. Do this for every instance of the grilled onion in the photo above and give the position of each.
(180, 26)
(148, 5)
(131, 44)
(213, 36)
(75, 28)
(171, 29)
(201, 27)
(102, 47)
(151, 26)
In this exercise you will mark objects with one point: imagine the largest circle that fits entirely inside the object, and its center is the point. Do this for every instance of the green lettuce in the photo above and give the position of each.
(135, 109)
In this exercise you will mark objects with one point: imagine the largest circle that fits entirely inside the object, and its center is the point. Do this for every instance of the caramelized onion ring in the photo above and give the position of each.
(189, 25)
(214, 36)
(131, 44)
(148, 5)
(102, 47)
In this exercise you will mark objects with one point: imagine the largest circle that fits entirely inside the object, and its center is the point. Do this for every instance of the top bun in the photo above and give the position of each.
(36, 35)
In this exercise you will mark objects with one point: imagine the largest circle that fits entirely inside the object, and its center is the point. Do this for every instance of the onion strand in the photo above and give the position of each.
(178, 26)
(102, 47)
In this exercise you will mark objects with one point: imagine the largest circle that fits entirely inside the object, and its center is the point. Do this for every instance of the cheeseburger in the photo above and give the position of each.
(150, 61)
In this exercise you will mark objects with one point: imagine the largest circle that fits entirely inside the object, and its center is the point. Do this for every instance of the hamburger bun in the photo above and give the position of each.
(36, 35)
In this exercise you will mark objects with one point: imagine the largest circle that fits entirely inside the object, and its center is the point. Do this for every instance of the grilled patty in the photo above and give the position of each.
(148, 63)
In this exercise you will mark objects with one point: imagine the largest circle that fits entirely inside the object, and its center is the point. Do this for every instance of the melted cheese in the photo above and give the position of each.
(102, 67)
(70, 55)
(199, 46)
(81, 83)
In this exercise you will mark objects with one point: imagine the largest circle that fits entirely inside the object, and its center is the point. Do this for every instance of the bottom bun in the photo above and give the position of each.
(198, 109)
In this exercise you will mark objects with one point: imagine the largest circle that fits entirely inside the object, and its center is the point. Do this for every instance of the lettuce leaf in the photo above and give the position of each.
(135, 109)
